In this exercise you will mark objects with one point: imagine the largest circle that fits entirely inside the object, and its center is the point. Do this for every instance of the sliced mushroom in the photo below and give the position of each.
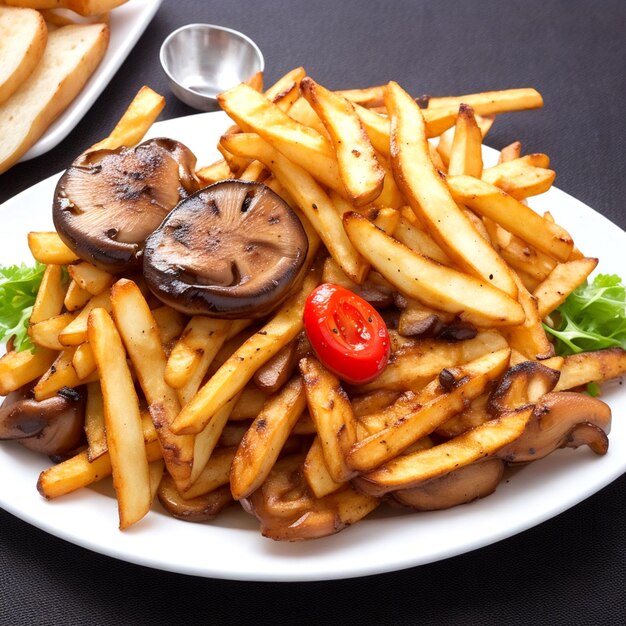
(561, 419)
(274, 373)
(199, 509)
(289, 512)
(232, 250)
(53, 426)
(109, 201)
(465, 484)
(523, 384)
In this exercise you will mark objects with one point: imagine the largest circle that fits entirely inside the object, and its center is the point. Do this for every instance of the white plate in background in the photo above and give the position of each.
(231, 546)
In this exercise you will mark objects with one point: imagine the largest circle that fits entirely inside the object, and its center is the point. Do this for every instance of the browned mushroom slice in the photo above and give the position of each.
(465, 484)
(200, 509)
(289, 512)
(523, 384)
(561, 419)
(109, 201)
(232, 250)
(53, 426)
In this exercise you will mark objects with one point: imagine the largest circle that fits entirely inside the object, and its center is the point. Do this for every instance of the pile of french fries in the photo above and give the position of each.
(399, 208)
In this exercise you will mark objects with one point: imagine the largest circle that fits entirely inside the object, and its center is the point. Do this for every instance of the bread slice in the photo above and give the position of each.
(71, 56)
(23, 36)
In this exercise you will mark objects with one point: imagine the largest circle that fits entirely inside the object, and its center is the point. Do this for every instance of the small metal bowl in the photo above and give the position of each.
(202, 60)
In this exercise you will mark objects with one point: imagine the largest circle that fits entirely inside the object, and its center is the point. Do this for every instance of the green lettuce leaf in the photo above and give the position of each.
(18, 290)
(593, 317)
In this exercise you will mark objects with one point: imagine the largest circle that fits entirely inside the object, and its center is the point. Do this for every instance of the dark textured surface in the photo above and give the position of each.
(569, 570)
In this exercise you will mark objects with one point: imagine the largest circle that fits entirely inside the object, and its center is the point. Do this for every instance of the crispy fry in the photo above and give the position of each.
(316, 473)
(518, 178)
(414, 367)
(78, 471)
(19, 368)
(46, 333)
(216, 473)
(331, 411)
(50, 297)
(587, 367)
(412, 236)
(510, 152)
(301, 144)
(90, 278)
(413, 469)
(433, 284)
(286, 90)
(76, 297)
(563, 279)
(232, 377)
(207, 439)
(359, 170)
(430, 199)
(129, 462)
(60, 374)
(466, 151)
(170, 324)
(194, 351)
(215, 172)
(83, 361)
(47, 248)
(470, 381)
(529, 338)
(140, 335)
(263, 441)
(133, 125)
(491, 202)
(489, 102)
(94, 423)
(75, 332)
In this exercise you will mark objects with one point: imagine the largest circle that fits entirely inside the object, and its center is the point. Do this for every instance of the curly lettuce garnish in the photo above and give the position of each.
(593, 317)
(18, 290)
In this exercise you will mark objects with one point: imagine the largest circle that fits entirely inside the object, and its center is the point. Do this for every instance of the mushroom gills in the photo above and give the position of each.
(232, 250)
(109, 201)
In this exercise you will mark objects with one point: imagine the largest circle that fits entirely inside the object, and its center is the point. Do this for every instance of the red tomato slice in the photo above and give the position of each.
(348, 335)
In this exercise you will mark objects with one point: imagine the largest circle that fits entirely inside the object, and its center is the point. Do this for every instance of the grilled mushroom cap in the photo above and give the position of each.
(231, 250)
(109, 201)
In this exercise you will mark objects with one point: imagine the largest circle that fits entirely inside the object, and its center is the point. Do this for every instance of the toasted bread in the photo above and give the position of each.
(23, 36)
(71, 56)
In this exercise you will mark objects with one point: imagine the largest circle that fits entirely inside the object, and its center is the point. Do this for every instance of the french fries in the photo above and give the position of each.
(129, 462)
(140, 115)
(417, 276)
(231, 378)
(333, 417)
(358, 167)
(265, 438)
(431, 200)
(204, 412)
(140, 335)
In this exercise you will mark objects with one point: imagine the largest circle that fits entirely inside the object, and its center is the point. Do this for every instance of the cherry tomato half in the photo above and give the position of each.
(347, 334)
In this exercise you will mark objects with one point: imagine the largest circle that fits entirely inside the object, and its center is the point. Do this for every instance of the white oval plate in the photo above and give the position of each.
(127, 23)
(231, 546)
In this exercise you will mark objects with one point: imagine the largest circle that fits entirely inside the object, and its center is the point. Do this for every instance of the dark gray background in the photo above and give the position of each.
(569, 570)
